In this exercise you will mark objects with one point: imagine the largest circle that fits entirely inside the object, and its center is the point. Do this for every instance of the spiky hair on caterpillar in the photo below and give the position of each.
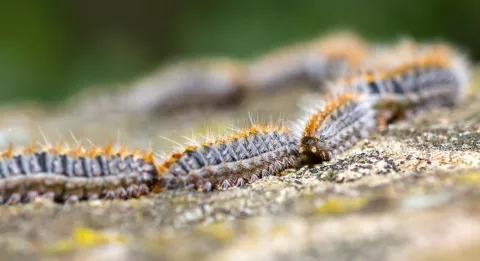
(333, 125)
(310, 63)
(385, 56)
(436, 76)
(334, 56)
(239, 158)
(68, 175)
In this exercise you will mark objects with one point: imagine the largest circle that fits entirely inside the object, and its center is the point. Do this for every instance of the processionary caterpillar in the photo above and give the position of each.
(431, 76)
(243, 157)
(334, 126)
(70, 175)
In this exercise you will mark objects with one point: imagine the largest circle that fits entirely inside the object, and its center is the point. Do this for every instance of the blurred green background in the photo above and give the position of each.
(50, 49)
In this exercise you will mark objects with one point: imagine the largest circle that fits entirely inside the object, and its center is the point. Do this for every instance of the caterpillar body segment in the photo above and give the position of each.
(208, 83)
(243, 157)
(70, 175)
(436, 76)
(310, 63)
(334, 126)
(203, 83)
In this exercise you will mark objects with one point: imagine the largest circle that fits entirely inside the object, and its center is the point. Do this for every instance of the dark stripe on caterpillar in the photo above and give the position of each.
(243, 157)
(71, 175)
(334, 126)
(436, 77)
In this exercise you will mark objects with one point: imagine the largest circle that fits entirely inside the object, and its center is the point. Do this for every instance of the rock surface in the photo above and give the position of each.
(410, 192)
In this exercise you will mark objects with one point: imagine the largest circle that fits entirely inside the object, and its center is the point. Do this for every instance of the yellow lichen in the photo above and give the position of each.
(219, 231)
(84, 238)
(340, 205)
(473, 177)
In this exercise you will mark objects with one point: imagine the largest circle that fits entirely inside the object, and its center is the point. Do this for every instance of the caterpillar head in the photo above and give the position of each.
(313, 151)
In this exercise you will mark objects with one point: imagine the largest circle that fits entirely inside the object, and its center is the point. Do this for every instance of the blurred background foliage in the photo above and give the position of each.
(50, 49)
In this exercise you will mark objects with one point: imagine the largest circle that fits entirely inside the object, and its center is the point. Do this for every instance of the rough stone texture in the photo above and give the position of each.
(408, 193)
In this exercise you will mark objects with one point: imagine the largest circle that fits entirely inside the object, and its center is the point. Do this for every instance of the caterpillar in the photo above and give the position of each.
(424, 76)
(310, 63)
(243, 157)
(200, 83)
(214, 82)
(208, 82)
(335, 56)
(334, 126)
(438, 76)
(383, 57)
(70, 175)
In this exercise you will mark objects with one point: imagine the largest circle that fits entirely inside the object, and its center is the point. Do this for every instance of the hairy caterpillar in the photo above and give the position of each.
(437, 77)
(310, 63)
(334, 126)
(217, 82)
(383, 57)
(70, 175)
(408, 77)
(201, 83)
(426, 76)
(243, 157)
